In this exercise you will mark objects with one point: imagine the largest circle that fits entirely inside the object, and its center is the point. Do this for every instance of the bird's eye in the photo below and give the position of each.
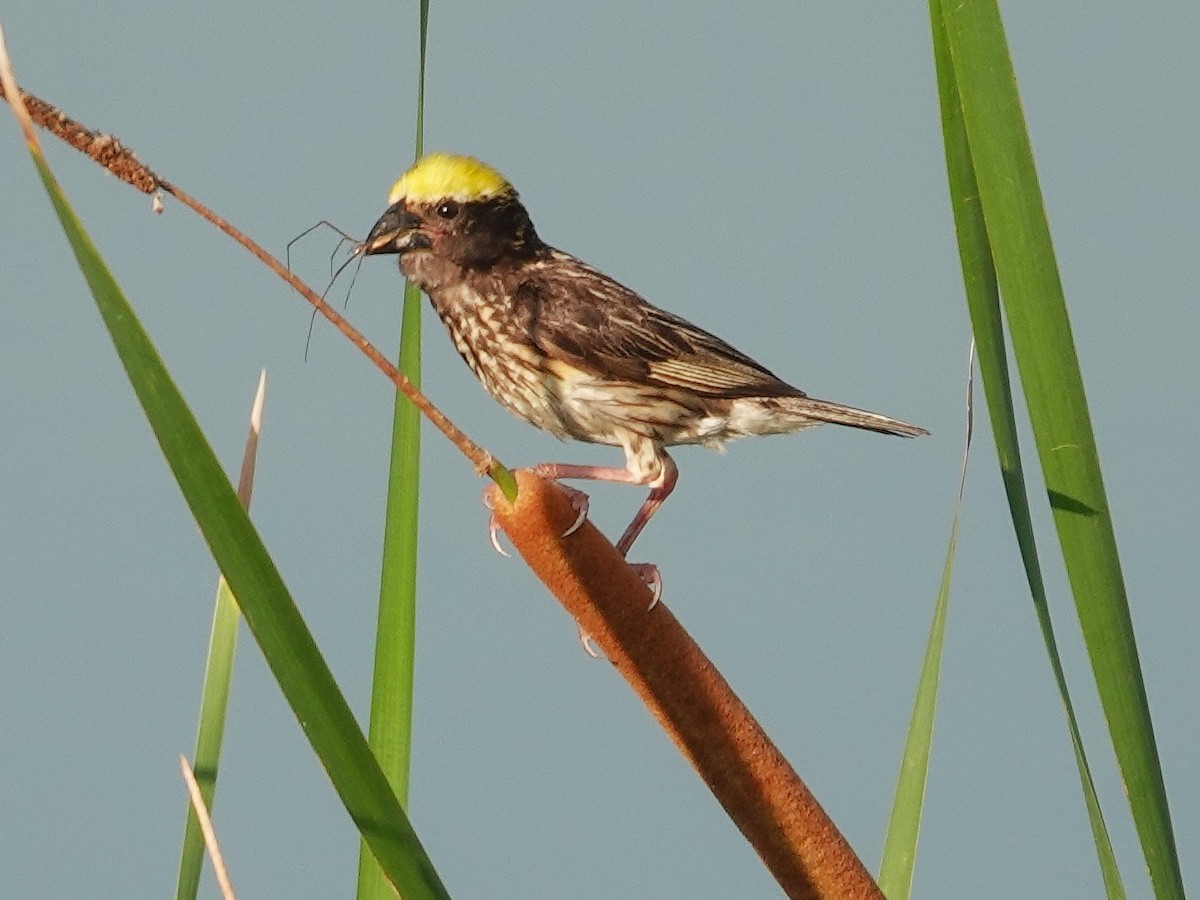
(448, 209)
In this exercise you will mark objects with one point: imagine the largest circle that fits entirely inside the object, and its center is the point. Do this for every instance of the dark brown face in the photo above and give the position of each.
(471, 235)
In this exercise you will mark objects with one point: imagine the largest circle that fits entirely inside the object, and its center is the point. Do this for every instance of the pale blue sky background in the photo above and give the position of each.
(773, 172)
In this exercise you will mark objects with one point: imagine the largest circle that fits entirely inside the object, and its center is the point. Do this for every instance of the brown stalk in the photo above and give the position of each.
(748, 775)
(110, 153)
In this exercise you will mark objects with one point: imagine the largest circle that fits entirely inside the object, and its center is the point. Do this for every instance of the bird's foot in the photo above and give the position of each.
(579, 500)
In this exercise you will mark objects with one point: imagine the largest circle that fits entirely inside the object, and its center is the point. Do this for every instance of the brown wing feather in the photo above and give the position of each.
(579, 315)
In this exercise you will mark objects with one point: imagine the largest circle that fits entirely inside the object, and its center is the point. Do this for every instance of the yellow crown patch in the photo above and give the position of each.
(442, 176)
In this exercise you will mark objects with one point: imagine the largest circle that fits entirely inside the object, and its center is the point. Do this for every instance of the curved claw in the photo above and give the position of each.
(493, 525)
(494, 535)
(588, 647)
(582, 517)
(579, 502)
(649, 574)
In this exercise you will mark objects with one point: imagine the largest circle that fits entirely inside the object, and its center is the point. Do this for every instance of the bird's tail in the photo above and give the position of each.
(793, 412)
(823, 411)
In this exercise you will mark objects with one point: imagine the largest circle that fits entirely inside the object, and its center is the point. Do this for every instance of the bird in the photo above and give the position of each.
(574, 352)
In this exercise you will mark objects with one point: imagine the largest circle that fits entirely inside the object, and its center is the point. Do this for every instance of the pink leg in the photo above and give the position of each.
(660, 488)
(658, 493)
(558, 471)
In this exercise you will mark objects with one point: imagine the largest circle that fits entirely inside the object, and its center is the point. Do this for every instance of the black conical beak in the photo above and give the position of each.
(397, 231)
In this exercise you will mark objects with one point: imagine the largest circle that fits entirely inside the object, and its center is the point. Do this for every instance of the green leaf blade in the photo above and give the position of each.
(390, 728)
(218, 674)
(1012, 222)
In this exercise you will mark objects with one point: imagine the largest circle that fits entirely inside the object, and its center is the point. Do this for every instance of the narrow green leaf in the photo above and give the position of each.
(218, 673)
(983, 301)
(390, 729)
(904, 826)
(214, 701)
(276, 624)
(1015, 229)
